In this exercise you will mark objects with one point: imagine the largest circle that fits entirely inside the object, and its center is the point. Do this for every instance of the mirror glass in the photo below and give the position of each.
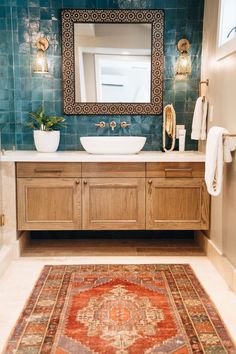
(112, 62)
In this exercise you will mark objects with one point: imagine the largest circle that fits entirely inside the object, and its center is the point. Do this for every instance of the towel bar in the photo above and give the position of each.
(205, 82)
(230, 135)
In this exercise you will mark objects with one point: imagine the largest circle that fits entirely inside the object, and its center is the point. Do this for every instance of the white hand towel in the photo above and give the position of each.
(218, 151)
(229, 146)
(199, 120)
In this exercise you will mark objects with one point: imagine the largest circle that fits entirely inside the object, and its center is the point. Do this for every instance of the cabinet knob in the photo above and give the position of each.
(150, 181)
(85, 182)
(77, 182)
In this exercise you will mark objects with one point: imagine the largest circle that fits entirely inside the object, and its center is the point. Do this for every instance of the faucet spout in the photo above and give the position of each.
(112, 125)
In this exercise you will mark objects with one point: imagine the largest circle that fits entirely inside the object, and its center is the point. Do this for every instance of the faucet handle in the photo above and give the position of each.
(101, 124)
(124, 124)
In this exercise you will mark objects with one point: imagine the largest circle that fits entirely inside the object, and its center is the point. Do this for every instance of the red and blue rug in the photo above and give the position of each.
(119, 309)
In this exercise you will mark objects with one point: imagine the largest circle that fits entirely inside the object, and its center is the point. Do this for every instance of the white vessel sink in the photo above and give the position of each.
(113, 145)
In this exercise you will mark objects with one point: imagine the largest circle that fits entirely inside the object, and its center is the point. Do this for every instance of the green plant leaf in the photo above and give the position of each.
(39, 120)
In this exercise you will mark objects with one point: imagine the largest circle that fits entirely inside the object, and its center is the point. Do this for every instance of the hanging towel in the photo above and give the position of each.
(199, 120)
(218, 151)
(229, 146)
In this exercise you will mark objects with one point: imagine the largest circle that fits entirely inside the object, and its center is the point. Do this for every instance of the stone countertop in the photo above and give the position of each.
(83, 156)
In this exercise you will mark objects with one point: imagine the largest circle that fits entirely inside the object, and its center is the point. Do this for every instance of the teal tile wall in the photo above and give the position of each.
(7, 117)
(21, 91)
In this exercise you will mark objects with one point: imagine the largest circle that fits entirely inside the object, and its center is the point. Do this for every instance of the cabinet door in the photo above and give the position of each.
(49, 203)
(113, 203)
(177, 204)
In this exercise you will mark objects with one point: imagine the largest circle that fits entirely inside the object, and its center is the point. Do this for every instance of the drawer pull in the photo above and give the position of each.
(77, 182)
(39, 170)
(2, 220)
(149, 181)
(178, 169)
(85, 182)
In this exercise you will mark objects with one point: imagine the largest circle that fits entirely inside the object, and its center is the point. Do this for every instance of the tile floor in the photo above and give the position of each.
(17, 283)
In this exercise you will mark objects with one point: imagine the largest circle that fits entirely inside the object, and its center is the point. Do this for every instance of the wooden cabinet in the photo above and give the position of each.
(48, 203)
(176, 204)
(176, 200)
(113, 203)
(112, 196)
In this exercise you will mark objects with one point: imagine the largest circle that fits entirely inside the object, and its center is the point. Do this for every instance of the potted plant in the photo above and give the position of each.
(46, 137)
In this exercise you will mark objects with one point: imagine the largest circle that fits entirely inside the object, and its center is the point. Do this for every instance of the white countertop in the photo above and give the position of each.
(83, 156)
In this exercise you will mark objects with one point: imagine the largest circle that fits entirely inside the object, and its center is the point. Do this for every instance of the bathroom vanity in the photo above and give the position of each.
(78, 191)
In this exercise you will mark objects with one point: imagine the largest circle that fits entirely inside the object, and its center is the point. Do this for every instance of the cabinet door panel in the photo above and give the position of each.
(113, 203)
(48, 204)
(176, 204)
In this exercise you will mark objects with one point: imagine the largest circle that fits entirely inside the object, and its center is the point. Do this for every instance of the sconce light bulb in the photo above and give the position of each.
(41, 62)
(184, 62)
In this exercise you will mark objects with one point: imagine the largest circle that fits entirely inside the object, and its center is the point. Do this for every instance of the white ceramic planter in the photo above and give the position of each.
(46, 141)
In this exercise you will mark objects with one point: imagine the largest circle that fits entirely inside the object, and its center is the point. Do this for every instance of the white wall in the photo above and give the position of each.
(9, 245)
(222, 95)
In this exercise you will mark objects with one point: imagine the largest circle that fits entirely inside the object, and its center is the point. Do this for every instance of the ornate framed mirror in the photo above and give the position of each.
(112, 61)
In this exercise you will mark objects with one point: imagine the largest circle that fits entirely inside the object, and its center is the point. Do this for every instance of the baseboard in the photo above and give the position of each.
(12, 251)
(23, 240)
(7, 254)
(222, 264)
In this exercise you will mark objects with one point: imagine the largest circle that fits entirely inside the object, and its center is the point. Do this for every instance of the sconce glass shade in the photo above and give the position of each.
(41, 62)
(183, 64)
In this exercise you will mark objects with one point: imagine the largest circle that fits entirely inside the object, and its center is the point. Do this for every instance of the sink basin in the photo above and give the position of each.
(113, 145)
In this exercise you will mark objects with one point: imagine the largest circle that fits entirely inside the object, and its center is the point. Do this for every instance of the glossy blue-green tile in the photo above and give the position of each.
(3, 25)
(25, 117)
(28, 138)
(45, 13)
(7, 141)
(26, 106)
(179, 106)
(55, 26)
(37, 95)
(36, 105)
(48, 95)
(33, 3)
(22, 3)
(49, 106)
(34, 13)
(4, 118)
(3, 12)
(44, 3)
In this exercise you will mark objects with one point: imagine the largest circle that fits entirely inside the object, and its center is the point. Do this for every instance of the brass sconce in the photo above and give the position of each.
(41, 62)
(183, 65)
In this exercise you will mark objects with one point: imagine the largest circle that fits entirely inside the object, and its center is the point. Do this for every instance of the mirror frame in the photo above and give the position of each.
(72, 16)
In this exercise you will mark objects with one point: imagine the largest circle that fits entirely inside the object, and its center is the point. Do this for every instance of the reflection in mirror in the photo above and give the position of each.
(112, 62)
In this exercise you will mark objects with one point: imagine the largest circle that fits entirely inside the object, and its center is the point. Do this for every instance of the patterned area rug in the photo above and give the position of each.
(119, 309)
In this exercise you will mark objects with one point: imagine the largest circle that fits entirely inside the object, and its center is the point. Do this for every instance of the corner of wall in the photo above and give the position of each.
(218, 259)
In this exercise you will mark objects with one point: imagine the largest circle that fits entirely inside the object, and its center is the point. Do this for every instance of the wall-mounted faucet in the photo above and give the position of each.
(112, 125)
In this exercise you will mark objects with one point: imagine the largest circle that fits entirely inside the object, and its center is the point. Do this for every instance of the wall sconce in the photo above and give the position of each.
(41, 62)
(183, 65)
